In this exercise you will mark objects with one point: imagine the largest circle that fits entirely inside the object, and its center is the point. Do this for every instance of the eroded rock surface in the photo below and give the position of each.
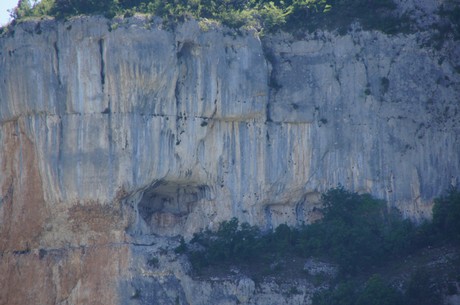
(110, 133)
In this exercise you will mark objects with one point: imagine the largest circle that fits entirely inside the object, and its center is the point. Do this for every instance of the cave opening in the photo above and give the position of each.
(164, 206)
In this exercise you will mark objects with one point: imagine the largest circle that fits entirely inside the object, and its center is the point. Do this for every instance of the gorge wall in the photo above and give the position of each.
(117, 134)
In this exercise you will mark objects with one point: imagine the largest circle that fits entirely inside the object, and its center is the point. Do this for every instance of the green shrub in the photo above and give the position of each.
(356, 232)
(446, 215)
(343, 294)
(375, 291)
(230, 243)
(378, 292)
(182, 248)
(23, 9)
(264, 15)
(422, 289)
(153, 262)
(273, 16)
(64, 8)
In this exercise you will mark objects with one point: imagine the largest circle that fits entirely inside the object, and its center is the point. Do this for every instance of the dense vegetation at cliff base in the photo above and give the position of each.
(263, 15)
(358, 233)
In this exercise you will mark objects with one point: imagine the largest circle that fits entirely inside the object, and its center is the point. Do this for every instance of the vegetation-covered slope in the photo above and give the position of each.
(260, 14)
(358, 234)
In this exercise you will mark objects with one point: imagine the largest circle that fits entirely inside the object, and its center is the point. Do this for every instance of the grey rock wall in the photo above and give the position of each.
(195, 127)
(113, 132)
(376, 103)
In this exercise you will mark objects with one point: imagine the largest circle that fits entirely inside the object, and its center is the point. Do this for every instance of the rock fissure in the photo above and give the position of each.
(57, 61)
(102, 71)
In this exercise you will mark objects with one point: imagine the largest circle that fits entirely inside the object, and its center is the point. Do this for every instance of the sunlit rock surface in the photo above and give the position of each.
(111, 131)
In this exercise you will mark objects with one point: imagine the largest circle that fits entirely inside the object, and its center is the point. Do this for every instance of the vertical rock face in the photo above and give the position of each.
(109, 134)
(383, 112)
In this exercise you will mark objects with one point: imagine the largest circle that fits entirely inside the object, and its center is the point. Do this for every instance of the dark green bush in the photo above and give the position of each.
(64, 8)
(357, 232)
(375, 291)
(378, 292)
(450, 24)
(182, 248)
(264, 15)
(446, 215)
(22, 9)
(422, 289)
(232, 242)
(343, 294)
(153, 262)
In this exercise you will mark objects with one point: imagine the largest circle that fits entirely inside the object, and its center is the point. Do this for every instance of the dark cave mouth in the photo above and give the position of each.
(165, 206)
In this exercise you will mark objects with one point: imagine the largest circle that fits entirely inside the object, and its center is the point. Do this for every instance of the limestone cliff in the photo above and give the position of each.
(114, 132)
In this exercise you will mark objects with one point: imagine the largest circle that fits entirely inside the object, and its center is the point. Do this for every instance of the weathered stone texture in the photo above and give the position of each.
(23, 209)
(86, 275)
(111, 133)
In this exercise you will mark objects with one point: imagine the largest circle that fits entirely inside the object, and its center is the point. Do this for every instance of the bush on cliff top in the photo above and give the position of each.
(263, 15)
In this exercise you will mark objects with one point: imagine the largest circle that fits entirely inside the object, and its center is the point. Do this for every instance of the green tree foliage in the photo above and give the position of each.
(375, 291)
(446, 215)
(63, 8)
(43, 7)
(182, 248)
(230, 243)
(378, 292)
(343, 294)
(23, 9)
(273, 16)
(422, 289)
(32, 8)
(264, 15)
(357, 232)
(449, 24)
(400, 237)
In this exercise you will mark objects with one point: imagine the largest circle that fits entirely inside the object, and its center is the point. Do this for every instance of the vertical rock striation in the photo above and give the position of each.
(112, 133)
